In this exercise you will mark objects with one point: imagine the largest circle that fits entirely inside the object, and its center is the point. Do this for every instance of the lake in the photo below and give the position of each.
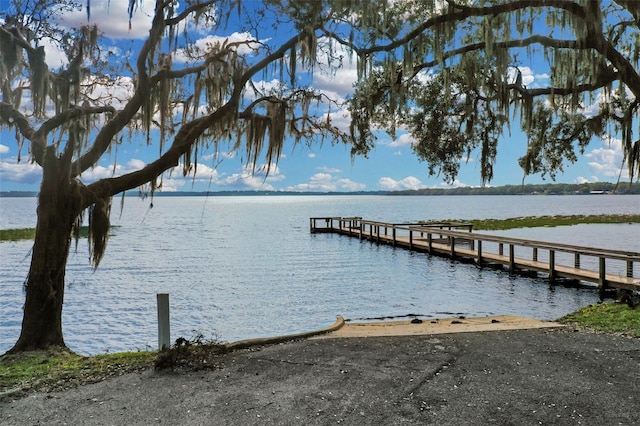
(246, 266)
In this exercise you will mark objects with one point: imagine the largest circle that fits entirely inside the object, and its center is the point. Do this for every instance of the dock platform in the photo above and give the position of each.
(606, 268)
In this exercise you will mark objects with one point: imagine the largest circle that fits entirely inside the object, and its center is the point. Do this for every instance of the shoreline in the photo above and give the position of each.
(436, 326)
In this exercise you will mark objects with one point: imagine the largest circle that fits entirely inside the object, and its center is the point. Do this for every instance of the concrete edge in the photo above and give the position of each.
(438, 326)
(244, 344)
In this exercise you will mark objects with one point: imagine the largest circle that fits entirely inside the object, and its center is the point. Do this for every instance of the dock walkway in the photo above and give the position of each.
(606, 268)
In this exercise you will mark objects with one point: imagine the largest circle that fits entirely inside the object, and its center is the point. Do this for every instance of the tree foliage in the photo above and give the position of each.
(451, 73)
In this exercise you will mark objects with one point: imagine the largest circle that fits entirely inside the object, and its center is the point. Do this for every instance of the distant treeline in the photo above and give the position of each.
(540, 189)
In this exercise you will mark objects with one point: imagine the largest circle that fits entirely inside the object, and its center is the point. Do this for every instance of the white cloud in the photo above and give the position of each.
(54, 57)
(321, 178)
(336, 85)
(607, 160)
(4, 149)
(312, 155)
(341, 120)
(455, 184)
(403, 140)
(525, 72)
(247, 178)
(268, 172)
(206, 44)
(112, 18)
(23, 172)
(326, 169)
(325, 182)
(581, 179)
(173, 179)
(115, 93)
(102, 172)
(389, 184)
(244, 181)
(350, 185)
(335, 75)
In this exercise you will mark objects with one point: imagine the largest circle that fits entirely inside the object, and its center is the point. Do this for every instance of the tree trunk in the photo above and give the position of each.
(58, 208)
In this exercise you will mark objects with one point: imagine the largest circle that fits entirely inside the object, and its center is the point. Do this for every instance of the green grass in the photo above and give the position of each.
(61, 369)
(546, 221)
(17, 234)
(606, 317)
(30, 233)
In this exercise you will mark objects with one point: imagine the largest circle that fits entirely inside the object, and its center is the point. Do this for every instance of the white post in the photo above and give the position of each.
(164, 331)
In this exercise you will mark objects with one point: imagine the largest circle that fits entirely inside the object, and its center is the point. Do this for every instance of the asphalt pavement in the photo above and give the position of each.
(553, 376)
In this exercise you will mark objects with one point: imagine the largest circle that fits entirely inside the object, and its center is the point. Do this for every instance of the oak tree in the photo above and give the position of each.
(181, 96)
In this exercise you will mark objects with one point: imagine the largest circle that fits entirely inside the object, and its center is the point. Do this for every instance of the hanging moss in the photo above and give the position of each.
(99, 223)
(39, 79)
(10, 50)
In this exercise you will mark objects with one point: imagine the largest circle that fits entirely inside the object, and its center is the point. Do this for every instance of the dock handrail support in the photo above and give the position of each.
(602, 274)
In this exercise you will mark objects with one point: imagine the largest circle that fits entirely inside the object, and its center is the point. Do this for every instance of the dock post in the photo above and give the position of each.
(378, 234)
(501, 249)
(630, 268)
(479, 261)
(576, 260)
(430, 240)
(361, 228)
(410, 239)
(394, 235)
(164, 330)
(535, 254)
(602, 275)
(453, 247)
(552, 266)
(512, 263)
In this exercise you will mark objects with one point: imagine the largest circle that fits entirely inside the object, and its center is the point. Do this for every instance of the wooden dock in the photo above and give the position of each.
(608, 269)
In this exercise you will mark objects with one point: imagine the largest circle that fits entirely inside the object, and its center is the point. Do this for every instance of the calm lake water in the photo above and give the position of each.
(246, 267)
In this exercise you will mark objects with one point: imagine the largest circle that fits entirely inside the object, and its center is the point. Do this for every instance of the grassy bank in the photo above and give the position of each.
(61, 369)
(545, 221)
(30, 233)
(57, 370)
(17, 234)
(606, 317)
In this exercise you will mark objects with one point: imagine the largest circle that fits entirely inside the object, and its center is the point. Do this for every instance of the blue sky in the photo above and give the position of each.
(390, 166)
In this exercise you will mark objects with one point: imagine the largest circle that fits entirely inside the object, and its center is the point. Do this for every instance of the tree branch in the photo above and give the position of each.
(468, 12)
(14, 117)
(186, 136)
(536, 39)
(105, 136)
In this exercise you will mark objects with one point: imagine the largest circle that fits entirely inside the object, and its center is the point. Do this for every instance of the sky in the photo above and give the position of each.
(391, 165)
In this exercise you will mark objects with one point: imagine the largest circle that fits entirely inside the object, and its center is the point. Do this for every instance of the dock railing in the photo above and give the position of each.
(605, 267)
